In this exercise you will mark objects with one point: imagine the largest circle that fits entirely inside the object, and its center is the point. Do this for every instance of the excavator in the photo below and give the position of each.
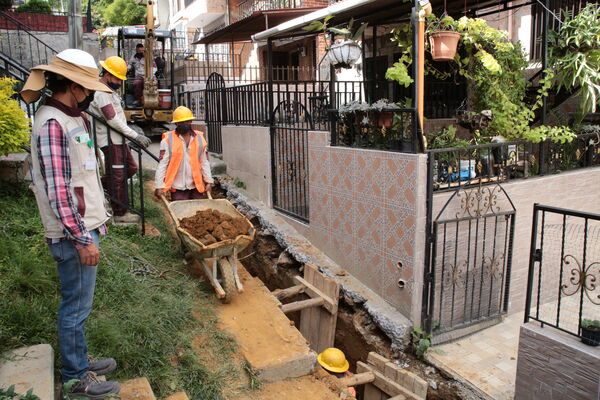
(153, 111)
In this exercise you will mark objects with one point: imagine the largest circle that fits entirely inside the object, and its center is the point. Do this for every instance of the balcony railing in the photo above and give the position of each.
(247, 7)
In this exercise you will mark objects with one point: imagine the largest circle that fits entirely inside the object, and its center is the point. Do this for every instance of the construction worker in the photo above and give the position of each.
(183, 169)
(67, 188)
(334, 361)
(120, 163)
(137, 69)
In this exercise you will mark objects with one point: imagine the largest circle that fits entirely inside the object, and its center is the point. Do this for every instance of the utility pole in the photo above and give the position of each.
(75, 25)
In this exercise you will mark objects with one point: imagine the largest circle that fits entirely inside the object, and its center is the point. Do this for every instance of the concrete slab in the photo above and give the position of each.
(485, 361)
(29, 368)
(272, 346)
(136, 389)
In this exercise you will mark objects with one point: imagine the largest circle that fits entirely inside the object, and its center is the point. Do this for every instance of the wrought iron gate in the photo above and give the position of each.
(290, 124)
(467, 281)
(215, 110)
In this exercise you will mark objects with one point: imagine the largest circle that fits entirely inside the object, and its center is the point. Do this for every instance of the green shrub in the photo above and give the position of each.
(35, 7)
(14, 125)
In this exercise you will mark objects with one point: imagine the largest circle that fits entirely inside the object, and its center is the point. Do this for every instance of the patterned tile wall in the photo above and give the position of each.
(366, 212)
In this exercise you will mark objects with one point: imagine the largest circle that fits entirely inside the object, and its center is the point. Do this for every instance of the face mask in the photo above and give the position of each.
(114, 86)
(139, 55)
(85, 103)
(183, 129)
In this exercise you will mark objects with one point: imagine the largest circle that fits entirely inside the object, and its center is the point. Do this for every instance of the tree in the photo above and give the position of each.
(35, 7)
(125, 12)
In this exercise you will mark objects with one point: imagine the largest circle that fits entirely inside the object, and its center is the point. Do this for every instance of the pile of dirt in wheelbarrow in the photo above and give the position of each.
(211, 226)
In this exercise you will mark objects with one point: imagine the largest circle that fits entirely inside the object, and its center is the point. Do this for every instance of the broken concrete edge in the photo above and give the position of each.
(393, 323)
(470, 390)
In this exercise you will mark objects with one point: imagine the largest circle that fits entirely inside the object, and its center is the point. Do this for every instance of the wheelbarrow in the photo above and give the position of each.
(219, 260)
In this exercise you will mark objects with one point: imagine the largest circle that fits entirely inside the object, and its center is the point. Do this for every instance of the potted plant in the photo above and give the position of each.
(385, 112)
(590, 332)
(443, 39)
(345, 52)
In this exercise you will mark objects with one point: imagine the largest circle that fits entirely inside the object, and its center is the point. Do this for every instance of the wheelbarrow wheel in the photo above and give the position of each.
(226, 279)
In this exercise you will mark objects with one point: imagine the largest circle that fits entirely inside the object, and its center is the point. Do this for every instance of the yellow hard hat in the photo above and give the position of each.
(182, 114)
(115, 66)
(333, 360)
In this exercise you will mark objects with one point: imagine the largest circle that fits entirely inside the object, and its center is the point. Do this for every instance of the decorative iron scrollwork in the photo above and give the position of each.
(582, 278)
(458, 274)
(494, 266)
(478, 202)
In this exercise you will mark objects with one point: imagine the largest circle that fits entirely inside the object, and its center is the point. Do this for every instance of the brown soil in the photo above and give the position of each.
(211, 226)
(307, 387)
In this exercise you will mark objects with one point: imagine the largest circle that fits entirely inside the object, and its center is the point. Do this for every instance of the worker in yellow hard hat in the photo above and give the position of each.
(119, 162)
(334, 361)
(183, 169)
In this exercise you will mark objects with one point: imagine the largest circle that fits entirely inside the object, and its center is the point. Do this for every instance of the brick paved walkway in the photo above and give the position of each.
(486, 360)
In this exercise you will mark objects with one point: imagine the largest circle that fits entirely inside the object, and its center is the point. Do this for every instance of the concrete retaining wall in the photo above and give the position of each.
(247, 153)
(555, 366)
(367, 212)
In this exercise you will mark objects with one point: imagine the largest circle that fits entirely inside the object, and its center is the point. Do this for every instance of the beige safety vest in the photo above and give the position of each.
(85, 187)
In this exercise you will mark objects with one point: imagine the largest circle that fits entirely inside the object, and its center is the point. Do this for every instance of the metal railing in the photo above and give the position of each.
(562, 290)
(386, 129)
(133, 199)
(247, 7)
(20, 45)
(500, 162)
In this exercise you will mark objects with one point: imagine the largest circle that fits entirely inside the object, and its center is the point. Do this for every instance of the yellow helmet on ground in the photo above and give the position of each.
(115, 66)
(182, 114)
(333, 360)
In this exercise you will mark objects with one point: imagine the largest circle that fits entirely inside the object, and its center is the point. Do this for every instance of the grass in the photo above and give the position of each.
(147, 322)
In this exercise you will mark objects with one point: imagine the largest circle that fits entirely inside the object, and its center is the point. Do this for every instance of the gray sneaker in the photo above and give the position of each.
(102, 366)
(89, 387)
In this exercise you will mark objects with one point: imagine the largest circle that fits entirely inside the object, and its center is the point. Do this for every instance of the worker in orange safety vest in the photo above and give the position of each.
(183, 169)
(334, 361)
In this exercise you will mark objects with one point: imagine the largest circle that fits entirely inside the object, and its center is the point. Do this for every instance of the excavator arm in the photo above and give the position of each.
(150, 82)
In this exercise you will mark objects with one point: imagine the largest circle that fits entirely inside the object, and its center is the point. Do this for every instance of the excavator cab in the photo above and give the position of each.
(148, 91)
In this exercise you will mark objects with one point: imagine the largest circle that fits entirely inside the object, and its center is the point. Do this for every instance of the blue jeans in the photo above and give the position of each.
(77, 283)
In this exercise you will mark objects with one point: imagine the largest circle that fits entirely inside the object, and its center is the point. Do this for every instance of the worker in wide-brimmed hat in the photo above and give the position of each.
(69, 195)
(183, 169)
(120, 164)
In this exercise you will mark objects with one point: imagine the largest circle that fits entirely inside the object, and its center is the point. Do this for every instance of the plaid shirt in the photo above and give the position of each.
(55, 165)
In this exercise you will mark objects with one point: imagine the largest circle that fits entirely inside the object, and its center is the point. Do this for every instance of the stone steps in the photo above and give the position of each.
(33, 368)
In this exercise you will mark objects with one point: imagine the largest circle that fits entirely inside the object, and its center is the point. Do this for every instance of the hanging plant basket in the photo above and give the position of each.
(344, 54)
(443, 45)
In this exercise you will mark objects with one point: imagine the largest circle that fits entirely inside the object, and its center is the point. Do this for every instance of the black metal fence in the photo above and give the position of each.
(564, 270)
(290, 125)
(500, 162)
(385, 129)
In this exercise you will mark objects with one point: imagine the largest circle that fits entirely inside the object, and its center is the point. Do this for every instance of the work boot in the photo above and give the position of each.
(102, 366)
(126, 219)
(89, 387)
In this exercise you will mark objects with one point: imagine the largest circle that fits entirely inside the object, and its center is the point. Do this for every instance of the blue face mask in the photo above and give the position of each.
(114, 86)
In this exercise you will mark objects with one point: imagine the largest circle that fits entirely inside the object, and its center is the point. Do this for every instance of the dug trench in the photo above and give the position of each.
(356, 332)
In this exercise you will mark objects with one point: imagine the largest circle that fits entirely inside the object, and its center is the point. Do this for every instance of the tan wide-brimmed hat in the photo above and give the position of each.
(73, 64)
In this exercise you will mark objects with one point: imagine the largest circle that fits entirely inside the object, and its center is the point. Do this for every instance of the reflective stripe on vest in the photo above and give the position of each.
(175, 149)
